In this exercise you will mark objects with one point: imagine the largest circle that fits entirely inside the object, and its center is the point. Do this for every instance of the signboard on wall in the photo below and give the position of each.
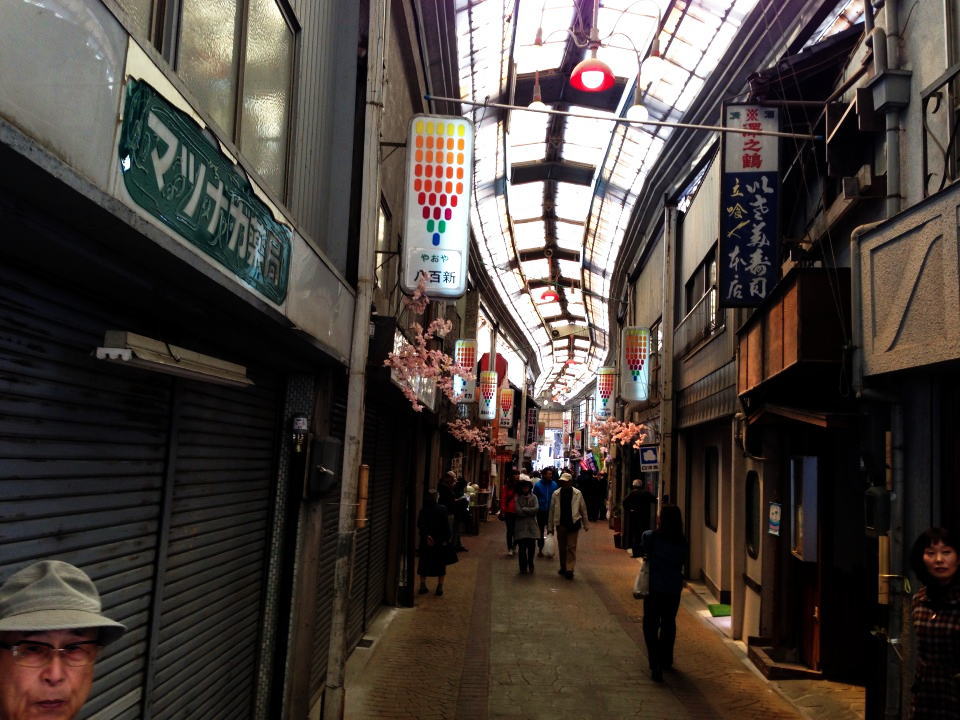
(750, 193)
(634, 364)
(465, 355)
(506, 407)
(604, 396)
(436, 237)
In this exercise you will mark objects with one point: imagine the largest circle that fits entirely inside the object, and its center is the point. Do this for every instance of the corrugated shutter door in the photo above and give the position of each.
(328, 555)
(82, 447)
(356, 619)
(216, 564)
(381, 486)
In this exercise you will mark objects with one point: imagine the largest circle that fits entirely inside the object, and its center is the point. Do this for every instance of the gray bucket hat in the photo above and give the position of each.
(54, 595)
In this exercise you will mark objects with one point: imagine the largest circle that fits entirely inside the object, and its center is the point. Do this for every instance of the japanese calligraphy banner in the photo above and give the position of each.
(749, 202)
(506, 407)
(176, 175)
(634, 365)
(465, 355)
(603, 402)
(436, 238)
(531, 435)
(488, 395)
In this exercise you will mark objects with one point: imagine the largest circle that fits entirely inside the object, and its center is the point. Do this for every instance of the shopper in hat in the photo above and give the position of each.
(526, 532)
(568, 514)
(51, 633)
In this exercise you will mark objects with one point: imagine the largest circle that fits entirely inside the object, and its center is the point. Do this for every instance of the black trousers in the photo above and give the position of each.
(542, 516)
(526, 553)
(511, 521)
(660, 628)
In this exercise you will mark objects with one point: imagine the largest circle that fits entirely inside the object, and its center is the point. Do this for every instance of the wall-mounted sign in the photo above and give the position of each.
(436, 238)
(634, 365)
(649, 458)
(773, 525)
(488, 394)
(465, 355)
(506, 407)
(174, 173)
(750, 194)
(603, 395)
(531, 435)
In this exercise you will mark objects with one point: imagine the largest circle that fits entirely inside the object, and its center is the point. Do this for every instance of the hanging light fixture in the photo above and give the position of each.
(592, 74)
(537, 103)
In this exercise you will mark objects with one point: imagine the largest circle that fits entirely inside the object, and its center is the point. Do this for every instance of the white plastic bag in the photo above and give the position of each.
(641, 586)
(550, 546)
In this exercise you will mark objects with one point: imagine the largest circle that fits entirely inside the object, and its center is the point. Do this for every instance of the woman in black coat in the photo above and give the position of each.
(935, 610)
(434, 536)
(665, 549)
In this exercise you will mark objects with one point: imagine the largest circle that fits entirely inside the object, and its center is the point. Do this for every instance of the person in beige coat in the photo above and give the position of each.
(568, 514)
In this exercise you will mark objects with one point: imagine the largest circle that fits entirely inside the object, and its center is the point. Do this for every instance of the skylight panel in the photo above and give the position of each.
(569, 268)
(550, 309)
(529, 235)
(569, 235)
(536, 269)
(526, 199)
(527, 128)
(573, 201)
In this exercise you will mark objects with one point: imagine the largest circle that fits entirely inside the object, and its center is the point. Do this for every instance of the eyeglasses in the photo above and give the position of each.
(40, 654)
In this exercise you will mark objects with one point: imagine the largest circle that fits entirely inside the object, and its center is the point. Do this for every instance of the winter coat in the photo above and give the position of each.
(508, 499)
(666, 562)
(936, 622)
(578, 508)
(527, 528)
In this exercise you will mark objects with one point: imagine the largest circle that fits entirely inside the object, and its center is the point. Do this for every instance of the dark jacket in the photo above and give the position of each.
(666, 562)
(936, 622)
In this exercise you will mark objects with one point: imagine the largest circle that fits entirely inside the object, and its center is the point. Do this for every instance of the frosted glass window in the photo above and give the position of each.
(207, 58)
(266, 92)
(139, 12)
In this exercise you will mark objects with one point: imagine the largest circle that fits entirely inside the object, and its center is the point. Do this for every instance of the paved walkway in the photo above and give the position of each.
(499, 645)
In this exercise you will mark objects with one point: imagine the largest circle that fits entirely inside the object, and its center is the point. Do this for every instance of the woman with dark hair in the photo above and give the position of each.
(434, 535)
(936, 622)
(665, 549)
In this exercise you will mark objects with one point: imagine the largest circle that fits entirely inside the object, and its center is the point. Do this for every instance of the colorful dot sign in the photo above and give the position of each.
(506, 407)
(465, 355)
(439, 180)
(635, 376)
(488, 394)
(606, 377)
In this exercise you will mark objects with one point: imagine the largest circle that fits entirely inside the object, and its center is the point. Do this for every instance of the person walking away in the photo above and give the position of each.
(544, 489)
(508, 507)
(638, 505)
(664, 548)
(434, 535)
(568, 514)
(935, 611)
(527, 531)
(52, 633)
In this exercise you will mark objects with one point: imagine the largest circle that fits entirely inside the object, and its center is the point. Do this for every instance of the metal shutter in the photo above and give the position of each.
(216, 562)
(328, 554)
(381, 487)
(82, 448)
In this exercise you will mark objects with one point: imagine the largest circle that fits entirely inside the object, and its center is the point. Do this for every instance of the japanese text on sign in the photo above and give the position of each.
(174, 173)
(749, 203)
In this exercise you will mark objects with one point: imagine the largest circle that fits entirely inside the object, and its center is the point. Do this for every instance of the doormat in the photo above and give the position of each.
(719, 610)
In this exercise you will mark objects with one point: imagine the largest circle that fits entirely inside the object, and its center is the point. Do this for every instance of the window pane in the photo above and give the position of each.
(139, 12)
(207, 57)
(266, 92)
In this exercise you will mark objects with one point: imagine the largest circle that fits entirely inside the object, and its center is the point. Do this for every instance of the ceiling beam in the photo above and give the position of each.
(560, 170)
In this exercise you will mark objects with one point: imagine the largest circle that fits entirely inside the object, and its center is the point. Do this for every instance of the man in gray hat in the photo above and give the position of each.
(51, 632)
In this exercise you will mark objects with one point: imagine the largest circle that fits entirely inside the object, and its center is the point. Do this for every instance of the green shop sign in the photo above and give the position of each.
(175, 172)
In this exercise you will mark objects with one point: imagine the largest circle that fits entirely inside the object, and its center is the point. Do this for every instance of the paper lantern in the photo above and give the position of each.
(634, 364)
(488, 395)
(506, 407)
(465, 355)
(603, 396)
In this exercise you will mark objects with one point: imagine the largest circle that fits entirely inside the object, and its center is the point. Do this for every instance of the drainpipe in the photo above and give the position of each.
(891, 17)
(336, 660)
(666, 362)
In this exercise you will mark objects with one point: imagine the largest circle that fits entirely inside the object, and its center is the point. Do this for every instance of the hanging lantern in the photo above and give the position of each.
(506, 407)
(635, 368)
(465, 355)
(488, 394)
(603, 397)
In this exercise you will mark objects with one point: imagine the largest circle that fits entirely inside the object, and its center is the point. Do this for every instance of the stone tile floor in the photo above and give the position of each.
(504, 646)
